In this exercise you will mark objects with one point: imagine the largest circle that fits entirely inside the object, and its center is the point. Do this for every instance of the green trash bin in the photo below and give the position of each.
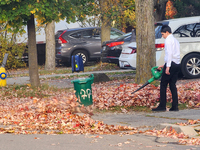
(83, 89)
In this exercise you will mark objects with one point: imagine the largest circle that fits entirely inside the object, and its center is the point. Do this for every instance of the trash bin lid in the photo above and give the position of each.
(83, 80)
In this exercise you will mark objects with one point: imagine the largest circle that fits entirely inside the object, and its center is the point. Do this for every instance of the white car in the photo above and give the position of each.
(186, 31)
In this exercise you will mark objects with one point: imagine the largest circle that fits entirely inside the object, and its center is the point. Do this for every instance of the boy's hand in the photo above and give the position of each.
(160, 67)
(167, 71)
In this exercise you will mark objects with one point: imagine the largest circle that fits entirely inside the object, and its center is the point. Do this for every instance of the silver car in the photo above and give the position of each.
(83, 41)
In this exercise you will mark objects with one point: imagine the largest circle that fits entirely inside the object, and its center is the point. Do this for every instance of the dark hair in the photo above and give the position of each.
(166, 28)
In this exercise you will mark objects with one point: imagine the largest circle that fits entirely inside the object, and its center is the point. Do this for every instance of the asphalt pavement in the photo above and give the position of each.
(26, 79)
(140, 120)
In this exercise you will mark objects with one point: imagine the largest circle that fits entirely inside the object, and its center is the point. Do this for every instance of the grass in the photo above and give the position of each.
(180, 106)
(121, 78)
(166, 117)
(11, 91)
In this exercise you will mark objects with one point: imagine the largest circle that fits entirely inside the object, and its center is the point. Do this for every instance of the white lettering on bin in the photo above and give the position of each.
(86, 93)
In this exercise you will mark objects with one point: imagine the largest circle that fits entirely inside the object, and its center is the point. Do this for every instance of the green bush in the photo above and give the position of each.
(15, 52)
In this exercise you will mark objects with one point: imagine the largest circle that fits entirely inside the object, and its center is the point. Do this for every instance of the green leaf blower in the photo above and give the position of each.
(156, 75)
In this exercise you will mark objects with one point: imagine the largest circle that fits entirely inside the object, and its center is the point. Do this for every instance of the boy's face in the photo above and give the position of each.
(164, 35)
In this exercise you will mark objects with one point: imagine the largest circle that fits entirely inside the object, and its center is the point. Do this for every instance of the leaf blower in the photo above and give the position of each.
(156, 75)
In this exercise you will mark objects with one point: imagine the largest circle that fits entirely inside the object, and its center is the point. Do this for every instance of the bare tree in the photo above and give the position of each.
(145, 34)
(106, 23)
(50, 46)
(32, 53)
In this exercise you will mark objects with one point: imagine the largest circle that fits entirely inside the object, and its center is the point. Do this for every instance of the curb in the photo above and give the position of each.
(187, 130)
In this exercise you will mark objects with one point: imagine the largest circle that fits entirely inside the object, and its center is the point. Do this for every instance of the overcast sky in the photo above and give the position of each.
(63, 25)
(40, 35)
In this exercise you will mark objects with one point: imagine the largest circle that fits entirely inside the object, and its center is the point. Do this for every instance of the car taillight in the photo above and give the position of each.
(160, 47)
(133, 50)
(115, 44)
(61, 39)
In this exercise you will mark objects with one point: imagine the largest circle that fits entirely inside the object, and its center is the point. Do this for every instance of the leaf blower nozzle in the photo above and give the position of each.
(156, 75)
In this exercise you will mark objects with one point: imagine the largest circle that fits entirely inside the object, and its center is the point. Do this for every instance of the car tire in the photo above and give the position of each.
(83, 54)
(191, 66)
(57, 64)
(197, 33)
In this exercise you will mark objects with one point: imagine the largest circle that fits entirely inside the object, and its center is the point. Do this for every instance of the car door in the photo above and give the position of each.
(75, 38)
(92, 40)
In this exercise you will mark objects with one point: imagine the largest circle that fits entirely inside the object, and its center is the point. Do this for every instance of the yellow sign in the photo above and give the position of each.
(3, 76)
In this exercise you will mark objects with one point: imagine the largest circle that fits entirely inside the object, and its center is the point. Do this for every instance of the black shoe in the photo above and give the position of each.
(159, 109)
(173, 109)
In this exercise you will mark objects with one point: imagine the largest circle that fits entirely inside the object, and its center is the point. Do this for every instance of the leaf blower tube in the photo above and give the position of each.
(156, 75)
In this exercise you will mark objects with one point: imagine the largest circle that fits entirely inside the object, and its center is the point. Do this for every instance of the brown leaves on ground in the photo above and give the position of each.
(166, 133)
(182, 138)
(108, 94)
(189, 122)
(55, 114)
(51, 115)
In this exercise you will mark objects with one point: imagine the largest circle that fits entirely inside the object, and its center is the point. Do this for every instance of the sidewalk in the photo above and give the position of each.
(26, 80)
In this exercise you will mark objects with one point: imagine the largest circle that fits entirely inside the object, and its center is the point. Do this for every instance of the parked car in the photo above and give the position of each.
(186, 31)
(83, 41)
(111, 50)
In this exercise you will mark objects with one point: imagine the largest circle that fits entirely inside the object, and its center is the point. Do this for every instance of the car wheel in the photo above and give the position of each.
(191, 66)
(57, 63)
(83, 54)
(197, 34)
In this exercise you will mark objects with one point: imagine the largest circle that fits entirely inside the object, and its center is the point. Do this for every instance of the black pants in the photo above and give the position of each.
(171, 80)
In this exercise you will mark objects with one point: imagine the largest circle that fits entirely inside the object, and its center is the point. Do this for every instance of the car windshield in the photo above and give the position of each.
(158, 34)
(123, 36)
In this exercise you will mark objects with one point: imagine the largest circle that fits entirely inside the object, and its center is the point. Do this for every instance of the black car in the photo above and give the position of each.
(83, 41)
(111, 50)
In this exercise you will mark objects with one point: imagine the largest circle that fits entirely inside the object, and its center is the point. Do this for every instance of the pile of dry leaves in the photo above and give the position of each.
(51, 115)
(107, 95)
(55, 114)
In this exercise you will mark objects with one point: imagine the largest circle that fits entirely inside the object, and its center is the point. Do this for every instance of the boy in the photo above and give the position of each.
(170, 70)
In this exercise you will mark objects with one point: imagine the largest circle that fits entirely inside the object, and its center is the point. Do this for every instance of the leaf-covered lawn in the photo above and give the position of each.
(51, 111)
(108, 94)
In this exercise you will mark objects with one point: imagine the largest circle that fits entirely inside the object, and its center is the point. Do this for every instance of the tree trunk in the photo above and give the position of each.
(105, 32)
(32, 53)
(145, 38)
(106, 24)
(50, 46)
(160, 9)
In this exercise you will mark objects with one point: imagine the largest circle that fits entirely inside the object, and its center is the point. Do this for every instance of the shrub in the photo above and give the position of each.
(15, 52)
